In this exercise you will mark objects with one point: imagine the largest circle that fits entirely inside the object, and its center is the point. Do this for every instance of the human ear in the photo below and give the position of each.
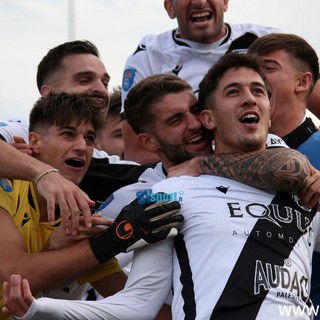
(303, 82)
(45, 90)
(169, 8)
(207, 119)
(148, 141)
(225, 5)
(35, 142)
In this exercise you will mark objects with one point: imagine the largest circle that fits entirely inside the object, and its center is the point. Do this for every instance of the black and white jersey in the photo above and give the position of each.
(166, 53)
(241, 253)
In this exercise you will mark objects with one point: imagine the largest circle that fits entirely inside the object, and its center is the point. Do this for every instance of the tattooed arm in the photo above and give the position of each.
(274, 169)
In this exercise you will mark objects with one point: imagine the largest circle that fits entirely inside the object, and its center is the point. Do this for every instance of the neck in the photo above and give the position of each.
(283, 123)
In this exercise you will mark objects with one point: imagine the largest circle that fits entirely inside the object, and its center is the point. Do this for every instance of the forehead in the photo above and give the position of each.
(77, 125)
(82, 63)
(173, 103)
(279, 56)
(239, 76)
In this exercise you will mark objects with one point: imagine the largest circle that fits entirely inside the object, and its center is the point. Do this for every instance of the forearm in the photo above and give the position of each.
(54, 269)
(17, 165)
(278, 169)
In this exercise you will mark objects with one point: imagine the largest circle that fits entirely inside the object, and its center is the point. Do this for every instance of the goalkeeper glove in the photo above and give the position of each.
(137, 225)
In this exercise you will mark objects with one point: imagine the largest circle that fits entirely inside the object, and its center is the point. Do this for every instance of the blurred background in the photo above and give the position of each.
(29, 28)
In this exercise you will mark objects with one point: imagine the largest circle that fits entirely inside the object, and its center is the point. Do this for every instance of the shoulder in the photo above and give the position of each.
(257, 29)
(156, 40)
(10, 128)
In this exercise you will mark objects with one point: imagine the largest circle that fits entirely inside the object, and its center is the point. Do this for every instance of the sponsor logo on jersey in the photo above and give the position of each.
(3, 124)
(128, 78)
(5, 185)
(275, 213)
(148, 196)
(269, 276)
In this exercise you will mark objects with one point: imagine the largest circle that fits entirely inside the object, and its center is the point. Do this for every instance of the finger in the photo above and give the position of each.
(314, 202)
(18, 139)
(101, 221)
(64, 213)
(5, 292)
(18, 305)
(167, 222)
(27, 294)
(84, 203)
(159, 209)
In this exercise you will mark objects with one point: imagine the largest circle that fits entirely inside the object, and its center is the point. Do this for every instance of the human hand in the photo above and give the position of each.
(17, 296)
(69, 198)
(188, 168)
(310, 194)
(58, 239)
(21, 145)
(136, 226)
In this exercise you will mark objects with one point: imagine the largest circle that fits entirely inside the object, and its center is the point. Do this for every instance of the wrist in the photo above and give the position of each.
(105, 245)
(41, 175)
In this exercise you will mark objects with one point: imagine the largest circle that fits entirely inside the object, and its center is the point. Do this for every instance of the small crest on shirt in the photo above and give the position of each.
(5, 185)
(128, 78)
(106, 202)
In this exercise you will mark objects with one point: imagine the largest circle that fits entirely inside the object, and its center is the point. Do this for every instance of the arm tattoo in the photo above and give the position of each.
(277, 169)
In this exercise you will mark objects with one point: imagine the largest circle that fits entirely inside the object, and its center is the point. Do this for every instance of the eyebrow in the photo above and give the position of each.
(91, 73)
(73, 128)
(265, 60)
(237, 84)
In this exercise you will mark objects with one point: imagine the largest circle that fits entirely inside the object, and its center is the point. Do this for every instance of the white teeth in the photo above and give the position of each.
(200, 15)
(248, 116)
(251, 117)
(196, 139)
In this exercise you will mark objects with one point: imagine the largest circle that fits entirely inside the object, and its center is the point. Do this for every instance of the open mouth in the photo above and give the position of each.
(250, 118)
(196, 140)
(201, 16)
(74, 162)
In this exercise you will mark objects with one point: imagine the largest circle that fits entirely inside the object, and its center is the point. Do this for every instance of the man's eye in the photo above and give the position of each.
(232, 92)
(67, 133)
(90, 140)
(84, 81)
(258, 91)
(174, 121)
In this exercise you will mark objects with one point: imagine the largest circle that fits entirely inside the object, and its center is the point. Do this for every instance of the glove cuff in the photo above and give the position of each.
(105, 245)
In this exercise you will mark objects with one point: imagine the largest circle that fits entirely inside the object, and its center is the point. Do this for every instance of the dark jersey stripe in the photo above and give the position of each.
(187, 292)
(238, 300)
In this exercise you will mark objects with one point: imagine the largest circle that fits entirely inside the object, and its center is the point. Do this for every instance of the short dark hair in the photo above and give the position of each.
(298, 48)
(147, 92)
(51, 62)
(231, 60)
(115, 103)
(62, 109)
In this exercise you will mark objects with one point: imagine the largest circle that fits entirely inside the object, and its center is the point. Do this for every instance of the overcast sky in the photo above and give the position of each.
(29, 28)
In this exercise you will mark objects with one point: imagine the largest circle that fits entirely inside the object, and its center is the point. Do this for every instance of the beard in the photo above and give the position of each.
(175, 153)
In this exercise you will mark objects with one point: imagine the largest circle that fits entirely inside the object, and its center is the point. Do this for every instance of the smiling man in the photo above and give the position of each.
(62, 133)
(236, 241)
